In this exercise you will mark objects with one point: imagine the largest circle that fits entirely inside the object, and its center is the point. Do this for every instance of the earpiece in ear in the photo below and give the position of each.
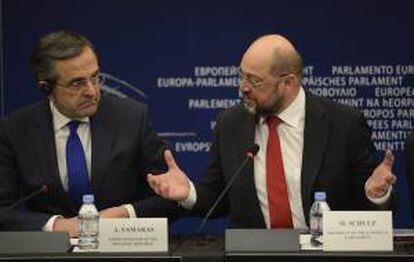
(45, 86)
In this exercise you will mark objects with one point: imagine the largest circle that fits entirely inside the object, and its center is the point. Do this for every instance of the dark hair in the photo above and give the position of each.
(59, 45)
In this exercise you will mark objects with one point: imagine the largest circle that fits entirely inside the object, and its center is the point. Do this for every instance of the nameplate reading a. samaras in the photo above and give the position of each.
(133, 235)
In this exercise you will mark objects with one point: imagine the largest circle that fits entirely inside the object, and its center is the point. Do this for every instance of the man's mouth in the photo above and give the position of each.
(87, 104)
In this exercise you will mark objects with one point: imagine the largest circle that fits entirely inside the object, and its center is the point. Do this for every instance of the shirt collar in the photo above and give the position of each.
(294, 113)
(60, 120)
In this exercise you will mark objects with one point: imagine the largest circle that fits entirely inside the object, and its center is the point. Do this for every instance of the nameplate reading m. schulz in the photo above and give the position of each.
(133, 235)
(357, 231)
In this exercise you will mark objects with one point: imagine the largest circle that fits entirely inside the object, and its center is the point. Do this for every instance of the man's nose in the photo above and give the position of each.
(244, 87)
(91, 89)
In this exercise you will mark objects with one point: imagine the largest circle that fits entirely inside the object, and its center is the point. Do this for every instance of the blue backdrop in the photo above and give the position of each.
(180, 58)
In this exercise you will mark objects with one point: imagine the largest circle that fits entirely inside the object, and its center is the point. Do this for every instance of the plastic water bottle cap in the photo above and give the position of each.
(320, 196)
(88, 199)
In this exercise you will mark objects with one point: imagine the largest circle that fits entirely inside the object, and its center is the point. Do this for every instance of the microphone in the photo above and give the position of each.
(159, 166)
(251, 152)
(43, 189)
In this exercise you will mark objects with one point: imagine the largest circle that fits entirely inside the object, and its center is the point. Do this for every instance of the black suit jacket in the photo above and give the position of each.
(124, 149)
(409, 163)
(338, 157)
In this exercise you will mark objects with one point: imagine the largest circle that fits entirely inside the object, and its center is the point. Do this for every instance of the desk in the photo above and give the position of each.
(200, 249)
(80, 257)
(211, 248)
(320, 256)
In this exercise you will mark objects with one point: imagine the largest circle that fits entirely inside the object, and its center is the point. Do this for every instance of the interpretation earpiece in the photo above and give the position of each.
(44, 86)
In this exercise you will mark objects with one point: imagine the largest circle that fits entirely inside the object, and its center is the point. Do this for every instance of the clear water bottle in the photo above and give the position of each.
(316, 221)
(88, 227)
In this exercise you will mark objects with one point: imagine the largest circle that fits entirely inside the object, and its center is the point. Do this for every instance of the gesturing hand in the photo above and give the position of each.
(173, 184)
(382, 177)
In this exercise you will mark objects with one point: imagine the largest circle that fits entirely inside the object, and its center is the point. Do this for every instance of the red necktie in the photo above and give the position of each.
(279, 208)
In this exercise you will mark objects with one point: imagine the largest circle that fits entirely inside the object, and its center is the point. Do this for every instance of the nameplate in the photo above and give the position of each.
(357, 231)
(133, 235)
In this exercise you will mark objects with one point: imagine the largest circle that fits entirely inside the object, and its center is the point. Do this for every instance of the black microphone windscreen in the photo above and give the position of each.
(253, 149)
(45, 189)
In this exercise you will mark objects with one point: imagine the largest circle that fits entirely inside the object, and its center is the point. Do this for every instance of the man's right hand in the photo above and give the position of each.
(173, 184)
(69, 225)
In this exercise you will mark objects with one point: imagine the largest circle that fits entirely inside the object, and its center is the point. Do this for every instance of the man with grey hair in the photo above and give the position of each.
(76, 142)
(307, 144)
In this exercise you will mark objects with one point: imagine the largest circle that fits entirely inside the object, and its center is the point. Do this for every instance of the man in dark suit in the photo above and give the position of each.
(409, 162)
(114, 140)
(307, 144)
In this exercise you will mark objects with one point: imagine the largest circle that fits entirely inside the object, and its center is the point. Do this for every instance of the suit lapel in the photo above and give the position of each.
(45, 152)
(247, 138)
(102, 139)
(314, 145)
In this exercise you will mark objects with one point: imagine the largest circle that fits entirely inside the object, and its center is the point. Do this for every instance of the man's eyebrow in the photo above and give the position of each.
(75, 79)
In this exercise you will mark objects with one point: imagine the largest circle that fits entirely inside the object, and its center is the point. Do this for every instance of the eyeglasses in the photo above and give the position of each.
(253, 81)
(81, 83)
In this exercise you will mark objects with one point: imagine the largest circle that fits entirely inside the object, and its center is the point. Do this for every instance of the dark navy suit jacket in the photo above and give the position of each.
(124, 149)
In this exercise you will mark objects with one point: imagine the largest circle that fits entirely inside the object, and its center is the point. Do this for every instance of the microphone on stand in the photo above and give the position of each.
(160, 166)
(250, 154)
(32, 242)
(200, 243)
(41, 190)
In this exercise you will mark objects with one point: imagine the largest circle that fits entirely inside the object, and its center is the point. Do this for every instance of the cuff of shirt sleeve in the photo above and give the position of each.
(191, 199)
(131, 210)
(49, 224)
(379, 200)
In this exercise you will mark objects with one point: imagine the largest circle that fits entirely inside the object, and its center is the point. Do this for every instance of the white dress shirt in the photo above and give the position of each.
(61, 130)
(290, 132)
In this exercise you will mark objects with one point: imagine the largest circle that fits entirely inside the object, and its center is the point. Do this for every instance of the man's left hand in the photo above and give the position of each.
(114, 212)
(382, 178)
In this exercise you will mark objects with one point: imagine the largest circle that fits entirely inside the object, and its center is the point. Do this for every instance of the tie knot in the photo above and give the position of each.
(273, 121)
(73, 125)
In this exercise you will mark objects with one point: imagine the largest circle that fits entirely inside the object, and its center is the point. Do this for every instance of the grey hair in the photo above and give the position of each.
(56, 46)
